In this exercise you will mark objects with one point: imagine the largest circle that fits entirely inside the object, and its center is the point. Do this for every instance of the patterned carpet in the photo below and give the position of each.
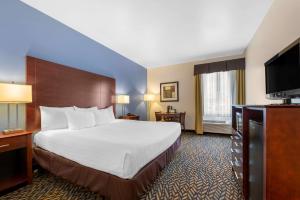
(200, 170)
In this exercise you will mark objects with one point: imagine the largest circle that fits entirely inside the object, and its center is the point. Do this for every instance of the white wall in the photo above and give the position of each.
(184, 74)
(280, 27)
(12, 116)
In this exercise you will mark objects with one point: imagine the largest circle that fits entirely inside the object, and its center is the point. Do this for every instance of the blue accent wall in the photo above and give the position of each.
(26, 31)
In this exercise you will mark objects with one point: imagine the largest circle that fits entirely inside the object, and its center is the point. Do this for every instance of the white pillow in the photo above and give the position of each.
(54, 117)
(103, 116)
(80, 119)
(86, 109)
(110, 112)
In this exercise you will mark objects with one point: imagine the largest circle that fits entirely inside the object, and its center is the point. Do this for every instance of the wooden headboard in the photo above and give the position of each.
(59, 86)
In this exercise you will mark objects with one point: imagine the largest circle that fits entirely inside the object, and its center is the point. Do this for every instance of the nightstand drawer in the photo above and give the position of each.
(11, 143)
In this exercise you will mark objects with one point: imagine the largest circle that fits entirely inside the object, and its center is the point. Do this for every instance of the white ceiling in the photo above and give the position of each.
(162, 32)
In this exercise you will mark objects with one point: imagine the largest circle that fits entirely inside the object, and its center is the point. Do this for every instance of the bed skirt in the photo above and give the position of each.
(110, 186)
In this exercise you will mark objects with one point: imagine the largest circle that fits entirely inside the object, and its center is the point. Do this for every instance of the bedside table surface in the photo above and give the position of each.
(14, 134)
(132, 117)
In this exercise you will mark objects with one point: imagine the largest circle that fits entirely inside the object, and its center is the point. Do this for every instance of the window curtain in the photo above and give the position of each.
(198, 105)
(218, 92)
(240, 86)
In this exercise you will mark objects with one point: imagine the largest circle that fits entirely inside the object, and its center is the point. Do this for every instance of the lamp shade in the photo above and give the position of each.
(149, 97)
(15, 93)
(122, 99)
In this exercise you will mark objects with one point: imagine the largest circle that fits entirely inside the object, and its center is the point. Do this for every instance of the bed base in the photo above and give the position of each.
(110, 186)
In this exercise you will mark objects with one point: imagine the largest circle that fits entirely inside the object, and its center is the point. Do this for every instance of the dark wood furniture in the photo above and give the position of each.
(273, 145)
(256, 138)
(130, 117)
(57, 85)
(171, 117)
(239, 148)
(15, 159)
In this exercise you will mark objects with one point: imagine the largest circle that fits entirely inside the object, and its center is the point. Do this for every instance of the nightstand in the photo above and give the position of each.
(15, 159)
(130, 117)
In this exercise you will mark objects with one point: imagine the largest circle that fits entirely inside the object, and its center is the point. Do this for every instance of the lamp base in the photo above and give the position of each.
(12, 131)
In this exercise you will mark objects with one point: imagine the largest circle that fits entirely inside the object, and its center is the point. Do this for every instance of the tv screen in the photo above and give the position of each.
(283, 71)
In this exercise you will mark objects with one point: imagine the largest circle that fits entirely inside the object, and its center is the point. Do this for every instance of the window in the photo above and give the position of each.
(218, 92)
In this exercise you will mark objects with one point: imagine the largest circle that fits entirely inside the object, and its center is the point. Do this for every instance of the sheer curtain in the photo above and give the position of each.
(218, 94)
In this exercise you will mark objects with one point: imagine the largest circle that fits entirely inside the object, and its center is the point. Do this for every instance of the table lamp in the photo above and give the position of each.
(11, 93)
(122, 99)
(148, 98)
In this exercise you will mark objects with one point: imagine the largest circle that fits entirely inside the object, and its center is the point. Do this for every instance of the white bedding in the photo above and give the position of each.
(121, 147)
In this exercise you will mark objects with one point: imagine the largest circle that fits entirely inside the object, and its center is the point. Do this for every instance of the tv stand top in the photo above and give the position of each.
(268, 106)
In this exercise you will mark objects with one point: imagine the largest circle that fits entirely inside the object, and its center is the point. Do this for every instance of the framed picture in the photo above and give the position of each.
(169, 92)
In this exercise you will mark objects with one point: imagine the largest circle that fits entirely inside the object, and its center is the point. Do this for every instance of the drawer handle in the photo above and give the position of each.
(4, 145)
(238, 151)
(236, 159)
(238, 176)
(235, 137)
(236, 162)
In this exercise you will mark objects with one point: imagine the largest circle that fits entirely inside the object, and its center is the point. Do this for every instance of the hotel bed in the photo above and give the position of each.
(119, 159)
(120, 148)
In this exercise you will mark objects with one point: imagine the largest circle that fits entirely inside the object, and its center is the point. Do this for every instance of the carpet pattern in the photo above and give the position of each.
(199, 170)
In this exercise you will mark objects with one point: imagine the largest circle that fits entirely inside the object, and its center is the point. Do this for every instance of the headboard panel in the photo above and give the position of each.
(58, 86)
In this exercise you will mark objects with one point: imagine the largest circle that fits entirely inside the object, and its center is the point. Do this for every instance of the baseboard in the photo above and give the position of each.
(221, 134)
(189, 130)
(193, 131)
(216, 128)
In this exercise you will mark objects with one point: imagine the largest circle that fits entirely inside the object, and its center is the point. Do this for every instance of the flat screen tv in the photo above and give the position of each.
(283, 74)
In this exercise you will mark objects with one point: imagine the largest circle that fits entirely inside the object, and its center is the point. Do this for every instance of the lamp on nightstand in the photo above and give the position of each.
(122, 99)
(148, 98)
(11, 93)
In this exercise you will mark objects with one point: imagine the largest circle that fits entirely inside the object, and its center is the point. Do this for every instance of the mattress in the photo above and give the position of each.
(120, 148)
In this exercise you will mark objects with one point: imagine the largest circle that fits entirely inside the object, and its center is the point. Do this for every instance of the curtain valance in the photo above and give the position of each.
(226, 65)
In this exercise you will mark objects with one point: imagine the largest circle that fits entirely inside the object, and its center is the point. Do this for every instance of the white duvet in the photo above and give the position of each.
(121, 147)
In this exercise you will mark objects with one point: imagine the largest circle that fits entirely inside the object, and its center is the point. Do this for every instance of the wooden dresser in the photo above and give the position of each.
(15, 159)
(270, 151)
(239, 148)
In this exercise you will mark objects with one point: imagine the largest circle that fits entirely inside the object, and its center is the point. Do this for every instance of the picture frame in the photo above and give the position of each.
(169, 91)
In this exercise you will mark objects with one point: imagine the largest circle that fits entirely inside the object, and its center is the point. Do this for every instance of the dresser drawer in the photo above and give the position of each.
(238, 170)
(237, 156)
(11, 143)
